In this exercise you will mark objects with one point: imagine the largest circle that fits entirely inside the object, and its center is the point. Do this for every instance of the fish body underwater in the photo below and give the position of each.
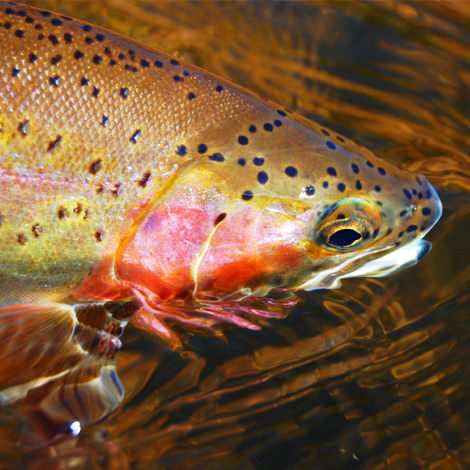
(127, 175)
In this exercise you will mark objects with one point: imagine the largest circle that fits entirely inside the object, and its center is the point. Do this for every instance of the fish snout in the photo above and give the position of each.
(423, 210)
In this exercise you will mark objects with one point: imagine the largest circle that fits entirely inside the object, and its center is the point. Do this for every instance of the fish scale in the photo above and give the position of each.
(126, 173)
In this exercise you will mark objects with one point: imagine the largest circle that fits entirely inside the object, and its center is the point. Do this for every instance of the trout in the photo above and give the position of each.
(127, 175)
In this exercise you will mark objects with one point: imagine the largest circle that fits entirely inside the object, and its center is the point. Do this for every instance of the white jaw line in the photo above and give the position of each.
(406, 256)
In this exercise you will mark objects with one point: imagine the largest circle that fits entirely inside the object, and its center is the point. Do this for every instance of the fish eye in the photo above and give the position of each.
(344, 237)
(348, 225)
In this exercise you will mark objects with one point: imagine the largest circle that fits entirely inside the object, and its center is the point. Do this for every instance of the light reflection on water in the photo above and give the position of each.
(370, 376)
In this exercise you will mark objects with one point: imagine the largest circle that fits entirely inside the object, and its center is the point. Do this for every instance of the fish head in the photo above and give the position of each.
(301, 211)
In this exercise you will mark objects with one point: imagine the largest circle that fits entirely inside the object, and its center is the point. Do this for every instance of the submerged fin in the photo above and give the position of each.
(58, 371)
(153, 316)
(34, 339)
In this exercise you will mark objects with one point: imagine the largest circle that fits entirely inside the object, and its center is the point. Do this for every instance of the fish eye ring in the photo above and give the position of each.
(345, 234)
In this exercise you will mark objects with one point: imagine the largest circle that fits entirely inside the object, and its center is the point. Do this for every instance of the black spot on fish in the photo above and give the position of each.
(181, 150)
(112, 62)
(291, 171)
(98, 236)
(68, 38)
(37, 230)
(53, 39)
(124, 93)
(177, 78)
(87, 28)
(89, 40)
(97, 59)
(325, 132)
(55, 60)
(309, 190)
(252, 129)
(117, 189)
(158, 64)
(78, 209)
(135, 136)
(219, 218)
(19, 33)
(107, 51)
(45, 13)
(62, 213)
(54, 143)
(191, 96)
(242, 140)
(96, 92)
(145, 178)
(219, 88)
(56, 22)
(23, 128)
(268, 127)
(54, 80)
(38, 26)
(202, 148)
(331, 171)
(145, 63)
(78, 55)
(84, 81)
(217, 157)
(15, 72)
(22, 238)
(247, 195)
(95, 166)
(29, 20)
(104, 120)
(262, 177)
(100, 37)
(258, 161)
(32, 58)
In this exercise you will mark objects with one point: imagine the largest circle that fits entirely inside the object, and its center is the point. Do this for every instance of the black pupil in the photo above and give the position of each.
(344, 237)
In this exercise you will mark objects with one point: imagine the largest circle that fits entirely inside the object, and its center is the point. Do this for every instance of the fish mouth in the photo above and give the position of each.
(379, 266)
